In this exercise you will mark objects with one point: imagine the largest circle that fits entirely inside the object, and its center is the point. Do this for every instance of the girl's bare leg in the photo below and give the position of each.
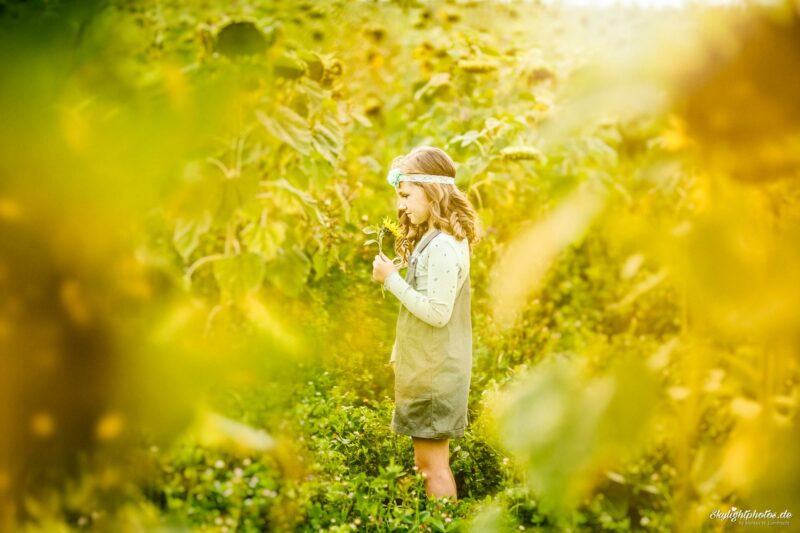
(432, 457)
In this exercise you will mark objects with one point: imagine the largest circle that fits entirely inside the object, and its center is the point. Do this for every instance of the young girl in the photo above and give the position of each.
(432, 353)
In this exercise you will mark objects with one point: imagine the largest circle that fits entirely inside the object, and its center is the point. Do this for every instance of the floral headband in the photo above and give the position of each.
(396, 176)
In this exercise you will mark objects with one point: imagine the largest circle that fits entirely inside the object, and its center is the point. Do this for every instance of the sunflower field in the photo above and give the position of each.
(191, 195)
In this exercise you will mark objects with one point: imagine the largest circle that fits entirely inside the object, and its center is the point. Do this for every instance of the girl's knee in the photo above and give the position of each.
(437, 473)
(426, 464)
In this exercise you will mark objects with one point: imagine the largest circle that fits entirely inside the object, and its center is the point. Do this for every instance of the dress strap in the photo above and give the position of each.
(412, 261)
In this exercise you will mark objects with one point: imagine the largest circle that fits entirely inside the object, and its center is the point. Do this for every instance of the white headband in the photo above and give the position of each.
(396, 176)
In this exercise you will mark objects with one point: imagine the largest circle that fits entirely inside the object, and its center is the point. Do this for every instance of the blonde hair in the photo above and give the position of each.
(450, 210)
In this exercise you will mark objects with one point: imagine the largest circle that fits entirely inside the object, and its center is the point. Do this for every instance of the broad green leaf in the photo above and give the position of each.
(188, 232)
(304, 196)
(235, 193)
(269, 321)
(289, 127)
(327, 139)
(264, 240)
(239, 274)
(436, 82)
(289, 271)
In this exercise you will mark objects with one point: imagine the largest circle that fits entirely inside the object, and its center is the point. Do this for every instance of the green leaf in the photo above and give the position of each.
(320, 263)
(235, 193)
(187, 234)
(301, 194)
(269, 321)
(289, 127)
(327, 138)
(466, 138)
(289, 271)
(264, 240)
(437, 81)
(240, 274)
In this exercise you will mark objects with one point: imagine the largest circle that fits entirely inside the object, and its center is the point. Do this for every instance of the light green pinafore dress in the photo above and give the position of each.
(432, 367)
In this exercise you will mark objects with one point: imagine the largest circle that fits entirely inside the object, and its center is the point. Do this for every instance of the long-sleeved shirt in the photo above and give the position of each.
(441, 270)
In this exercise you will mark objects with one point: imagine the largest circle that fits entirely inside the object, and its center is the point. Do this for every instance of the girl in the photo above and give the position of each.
(432, 353)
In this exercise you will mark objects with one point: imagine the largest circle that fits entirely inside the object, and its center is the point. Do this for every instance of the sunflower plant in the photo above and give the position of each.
(387, 226)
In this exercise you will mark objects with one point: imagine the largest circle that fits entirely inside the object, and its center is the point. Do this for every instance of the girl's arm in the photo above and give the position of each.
(435, 308)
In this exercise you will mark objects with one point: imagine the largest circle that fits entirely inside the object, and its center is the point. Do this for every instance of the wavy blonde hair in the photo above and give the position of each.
(450, 210)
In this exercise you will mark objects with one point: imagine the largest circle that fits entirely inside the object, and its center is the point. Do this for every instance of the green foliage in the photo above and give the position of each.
(354, 470)
(216, 167)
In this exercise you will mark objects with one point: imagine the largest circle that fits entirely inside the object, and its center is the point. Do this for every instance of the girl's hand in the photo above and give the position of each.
(382, 266)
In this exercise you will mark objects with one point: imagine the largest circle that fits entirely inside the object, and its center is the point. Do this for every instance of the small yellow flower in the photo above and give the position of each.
(393, 227)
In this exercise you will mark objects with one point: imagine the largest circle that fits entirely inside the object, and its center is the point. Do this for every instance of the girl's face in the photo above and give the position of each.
(411, 199)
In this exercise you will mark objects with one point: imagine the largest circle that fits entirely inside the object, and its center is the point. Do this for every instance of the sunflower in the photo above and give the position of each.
(393, 227)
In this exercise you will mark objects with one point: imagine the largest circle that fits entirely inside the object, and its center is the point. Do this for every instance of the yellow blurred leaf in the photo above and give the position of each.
(217, 430)
(525, 260)
(745, 408)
